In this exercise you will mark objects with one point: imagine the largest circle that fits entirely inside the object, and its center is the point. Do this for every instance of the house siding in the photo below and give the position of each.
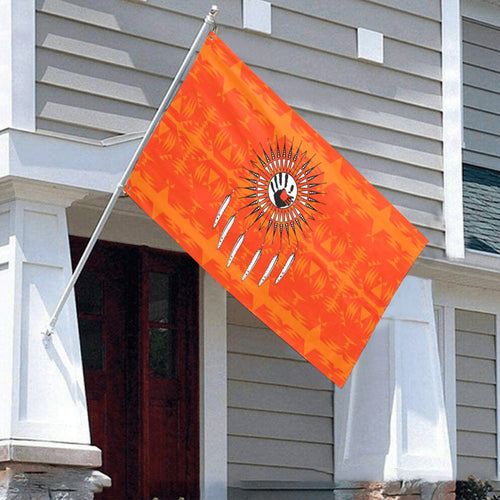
(102, 69)
(280, 408)
(101, 73)
(481, 176)
(481, 75)
(476, 362)
(476, 394)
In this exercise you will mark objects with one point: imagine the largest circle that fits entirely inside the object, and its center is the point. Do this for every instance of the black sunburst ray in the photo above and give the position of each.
(279, 194)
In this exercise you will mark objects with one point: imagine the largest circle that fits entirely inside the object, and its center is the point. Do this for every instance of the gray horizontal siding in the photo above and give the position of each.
(424, 9)
(102, 68)
(395, 23)
(271, 473)
(281, 426)
(67, 71)
(481, 73)
(268, 397)
(476, 394)
(279, 453)
(280, 408)
(486, 466)
(286, 493)
(92, 112)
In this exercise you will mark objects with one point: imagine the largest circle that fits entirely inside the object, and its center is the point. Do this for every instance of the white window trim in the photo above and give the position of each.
(446, 339)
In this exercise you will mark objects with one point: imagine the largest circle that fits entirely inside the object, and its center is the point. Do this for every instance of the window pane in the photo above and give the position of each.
(161, 293)
(89, 297)
(91, 344)
(162, 353)
(481, 203)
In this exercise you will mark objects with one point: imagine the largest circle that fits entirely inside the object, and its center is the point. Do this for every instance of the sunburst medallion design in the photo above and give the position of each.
(278, 199)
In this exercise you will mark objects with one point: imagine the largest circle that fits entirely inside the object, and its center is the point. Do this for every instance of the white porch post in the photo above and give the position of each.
(17, 64)
(390, 418)
(43, 413)
(213, 378)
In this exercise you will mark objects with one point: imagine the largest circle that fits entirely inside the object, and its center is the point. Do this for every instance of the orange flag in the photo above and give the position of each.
(276, 215)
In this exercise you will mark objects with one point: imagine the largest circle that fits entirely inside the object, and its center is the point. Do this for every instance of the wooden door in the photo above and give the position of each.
(169, 368)
(137, 311)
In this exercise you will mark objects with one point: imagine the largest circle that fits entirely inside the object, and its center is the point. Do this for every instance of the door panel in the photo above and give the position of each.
(137, 311)
(168, 301)
(101, 299)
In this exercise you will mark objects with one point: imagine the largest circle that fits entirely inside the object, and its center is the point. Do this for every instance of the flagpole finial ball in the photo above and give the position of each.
(214, 10)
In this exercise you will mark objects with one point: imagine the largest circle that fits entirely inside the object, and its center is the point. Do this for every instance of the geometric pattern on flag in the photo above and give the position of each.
(327, 280)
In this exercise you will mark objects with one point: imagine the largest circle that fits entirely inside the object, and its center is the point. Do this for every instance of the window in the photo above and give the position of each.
(481, 155)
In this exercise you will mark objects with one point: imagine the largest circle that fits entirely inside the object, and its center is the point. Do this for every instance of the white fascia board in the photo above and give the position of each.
(452, 128)
(472, 298)
(89, 165)
(17, 64)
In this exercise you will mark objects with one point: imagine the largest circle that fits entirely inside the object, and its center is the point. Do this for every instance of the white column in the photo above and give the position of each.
(43, 413)
(451, 33)
(213, 389)
(17, 64)
(390, 418)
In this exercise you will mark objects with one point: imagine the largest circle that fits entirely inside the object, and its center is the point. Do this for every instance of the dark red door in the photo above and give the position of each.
(137, 311)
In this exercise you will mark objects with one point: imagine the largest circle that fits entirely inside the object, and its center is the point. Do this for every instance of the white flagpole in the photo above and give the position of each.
(208, 24)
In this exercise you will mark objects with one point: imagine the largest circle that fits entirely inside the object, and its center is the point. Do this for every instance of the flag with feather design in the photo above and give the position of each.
(278, 217)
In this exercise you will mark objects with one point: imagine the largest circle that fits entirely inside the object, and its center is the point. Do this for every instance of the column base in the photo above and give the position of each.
(44, 470)
(26, 481)
(46, 452)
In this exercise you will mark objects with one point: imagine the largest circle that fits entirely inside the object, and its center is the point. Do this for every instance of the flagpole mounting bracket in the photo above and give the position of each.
(210, 19)
(49, 331)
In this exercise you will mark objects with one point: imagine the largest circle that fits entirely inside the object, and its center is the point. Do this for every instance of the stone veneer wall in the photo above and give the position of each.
(395, 490)
(50, 482)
